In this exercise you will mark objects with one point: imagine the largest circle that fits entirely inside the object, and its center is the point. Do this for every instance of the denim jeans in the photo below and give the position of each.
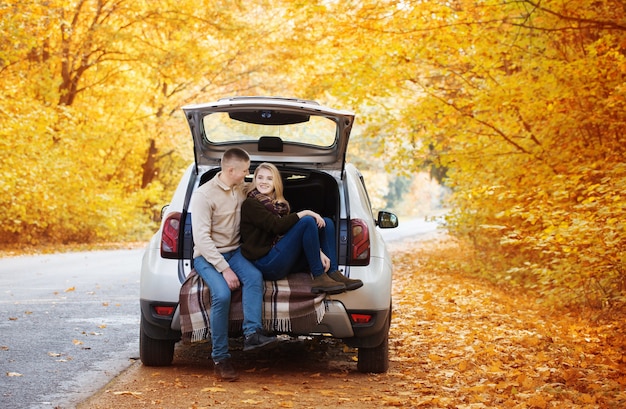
(252, 299)
(304, 237)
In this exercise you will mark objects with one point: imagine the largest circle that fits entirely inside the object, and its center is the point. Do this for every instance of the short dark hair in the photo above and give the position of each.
(235, 154)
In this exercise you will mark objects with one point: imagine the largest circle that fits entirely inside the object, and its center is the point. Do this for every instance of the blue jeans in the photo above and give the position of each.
(304, 237)
(252, 299)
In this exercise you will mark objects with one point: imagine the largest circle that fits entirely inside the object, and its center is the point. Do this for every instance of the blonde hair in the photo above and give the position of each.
(278, 181)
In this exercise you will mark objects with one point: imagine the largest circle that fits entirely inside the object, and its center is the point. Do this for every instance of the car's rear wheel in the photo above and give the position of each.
(155, 352)
(376, 359)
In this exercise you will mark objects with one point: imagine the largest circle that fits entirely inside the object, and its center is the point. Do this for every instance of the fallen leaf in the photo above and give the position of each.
(251, 401)
(213, 389)
(328, 392)
(538, 401)
(463, 365)
(70, 289)
(392, 401)
(127, 393)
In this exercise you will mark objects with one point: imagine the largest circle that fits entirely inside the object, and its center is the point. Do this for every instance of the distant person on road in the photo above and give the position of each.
(278, 241)
(215, 209)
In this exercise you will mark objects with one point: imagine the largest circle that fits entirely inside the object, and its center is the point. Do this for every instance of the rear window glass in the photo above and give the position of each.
(223, 127)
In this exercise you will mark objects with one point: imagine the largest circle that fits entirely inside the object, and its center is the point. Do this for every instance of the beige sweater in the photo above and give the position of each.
(215, 219)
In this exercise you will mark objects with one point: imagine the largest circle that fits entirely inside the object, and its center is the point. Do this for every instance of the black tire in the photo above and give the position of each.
(375, 360)
(155, 352)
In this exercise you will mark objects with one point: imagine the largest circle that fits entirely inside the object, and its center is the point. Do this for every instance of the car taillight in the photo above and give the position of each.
(163, 310)
(360, 243)
(170, 236)
(361, 318)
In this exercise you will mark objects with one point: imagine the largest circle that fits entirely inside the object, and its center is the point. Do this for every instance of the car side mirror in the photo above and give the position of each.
(387, 220)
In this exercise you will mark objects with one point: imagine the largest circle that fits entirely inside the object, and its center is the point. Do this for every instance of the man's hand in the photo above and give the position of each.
(231, 279)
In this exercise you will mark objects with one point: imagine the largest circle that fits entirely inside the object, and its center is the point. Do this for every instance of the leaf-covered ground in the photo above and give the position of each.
(455, 343)
(460, 343)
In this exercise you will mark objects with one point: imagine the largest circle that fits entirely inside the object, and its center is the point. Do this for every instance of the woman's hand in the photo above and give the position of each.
(325, 261)
(319, 220)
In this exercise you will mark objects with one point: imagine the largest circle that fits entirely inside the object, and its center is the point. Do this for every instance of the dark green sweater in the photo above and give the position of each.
(259, 227)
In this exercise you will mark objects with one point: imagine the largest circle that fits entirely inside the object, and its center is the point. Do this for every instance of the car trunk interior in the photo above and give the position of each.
(311, 190)
(304, 189)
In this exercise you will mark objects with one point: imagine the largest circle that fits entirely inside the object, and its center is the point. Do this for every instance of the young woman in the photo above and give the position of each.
(274, 239)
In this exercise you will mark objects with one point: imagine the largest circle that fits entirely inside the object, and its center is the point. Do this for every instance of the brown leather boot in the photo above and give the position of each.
(351, 284)
(224, 370)
(324, 284)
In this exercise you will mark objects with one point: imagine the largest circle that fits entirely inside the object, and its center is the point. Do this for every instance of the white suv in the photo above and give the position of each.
(308, 143)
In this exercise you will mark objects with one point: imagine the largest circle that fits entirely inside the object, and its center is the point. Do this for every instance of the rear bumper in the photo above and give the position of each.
(157, 326)
(337, 322)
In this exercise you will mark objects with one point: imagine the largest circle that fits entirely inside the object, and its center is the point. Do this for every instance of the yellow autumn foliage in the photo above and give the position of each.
(517, 107)
(520, 106)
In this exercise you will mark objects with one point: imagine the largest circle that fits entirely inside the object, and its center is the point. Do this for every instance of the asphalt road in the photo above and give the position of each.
(68, 324)
(413, 229)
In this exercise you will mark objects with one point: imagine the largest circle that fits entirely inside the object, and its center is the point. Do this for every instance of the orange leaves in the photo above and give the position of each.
(480, 346)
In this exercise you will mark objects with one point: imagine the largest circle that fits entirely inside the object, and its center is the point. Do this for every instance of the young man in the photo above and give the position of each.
(215, 211)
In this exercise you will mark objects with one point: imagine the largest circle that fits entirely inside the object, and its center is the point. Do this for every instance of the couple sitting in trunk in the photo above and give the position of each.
(275, 239)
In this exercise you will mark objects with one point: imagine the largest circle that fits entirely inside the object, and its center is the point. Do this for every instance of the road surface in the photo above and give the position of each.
(68, 324)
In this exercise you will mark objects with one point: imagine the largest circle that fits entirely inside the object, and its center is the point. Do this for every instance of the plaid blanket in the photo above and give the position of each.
(288, 306)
